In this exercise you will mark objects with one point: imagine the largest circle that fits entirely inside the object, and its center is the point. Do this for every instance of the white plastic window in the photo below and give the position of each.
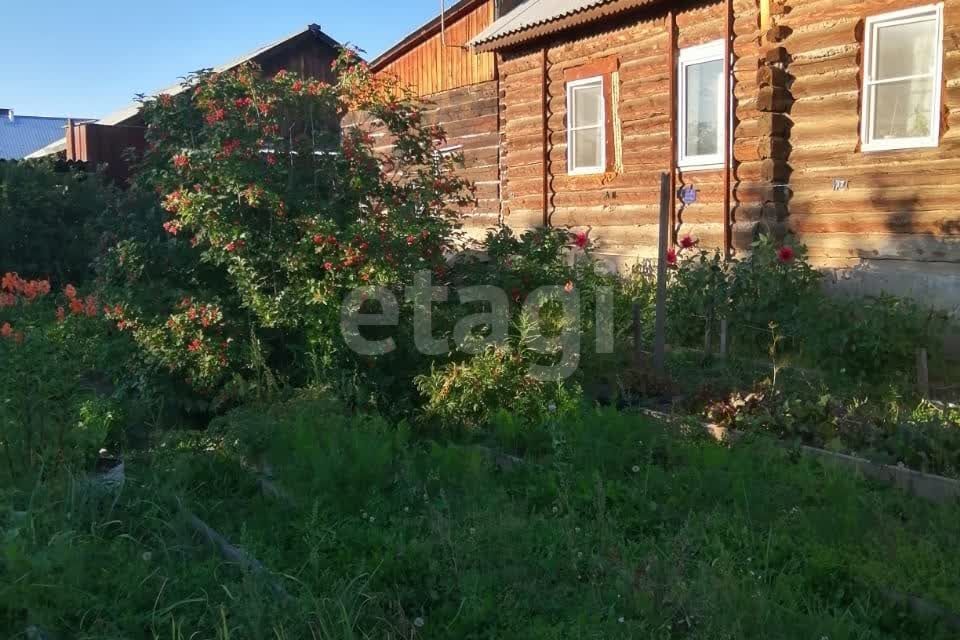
(701, 132)
(903, 67)
(586, 133)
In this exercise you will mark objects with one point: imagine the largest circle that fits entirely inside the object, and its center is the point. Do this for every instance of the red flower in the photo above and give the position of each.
(672, 257)
(568, 287)
(76, 306)
(411, 240)
(515, 294)
(171, 227)
(165, 99)
(785, 254)
(6, 330)
(271, 159)
(281, 74)
(61, 314)
(318, 239)
(90, 308)
(7, 300)
(581, 240)
(70, 291)
(181, 161)
(215, 116)
(328, 266)
(297, 86)
(228, 147)
(686, 242)
(242, 103)
(230, 247)
(195, 345)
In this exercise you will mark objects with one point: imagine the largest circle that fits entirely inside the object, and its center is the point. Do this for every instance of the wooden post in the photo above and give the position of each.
(660, 326)
(923, 374)
(637, 333)
(723, 338)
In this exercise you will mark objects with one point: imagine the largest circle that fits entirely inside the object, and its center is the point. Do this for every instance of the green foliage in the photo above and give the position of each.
(48, 214)
(466, 395)
(878, 425)
(617, 529)
(58, 382)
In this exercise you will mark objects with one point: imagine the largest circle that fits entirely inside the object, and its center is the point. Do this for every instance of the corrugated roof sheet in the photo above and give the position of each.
(23, 135)
(539, 17)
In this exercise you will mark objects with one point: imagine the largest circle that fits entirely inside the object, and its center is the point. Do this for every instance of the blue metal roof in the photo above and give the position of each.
(23, 135)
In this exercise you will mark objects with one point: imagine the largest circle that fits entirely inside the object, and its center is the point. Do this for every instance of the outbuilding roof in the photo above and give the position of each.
(535, 18)
(123, 115)
(20, 136)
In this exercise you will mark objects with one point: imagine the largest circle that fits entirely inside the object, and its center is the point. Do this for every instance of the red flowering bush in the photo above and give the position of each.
(53, 346)
(277, 211)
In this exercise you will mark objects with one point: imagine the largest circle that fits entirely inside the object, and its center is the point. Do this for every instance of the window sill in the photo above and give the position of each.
(708, 166)
(592, 171)
(899, 145)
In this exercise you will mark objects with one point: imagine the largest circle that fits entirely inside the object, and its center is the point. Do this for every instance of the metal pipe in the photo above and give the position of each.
(672, 75)
(546, 133)
(728, 127)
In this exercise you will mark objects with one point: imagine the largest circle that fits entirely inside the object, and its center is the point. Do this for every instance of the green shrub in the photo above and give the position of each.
(48, 215)
(59, 379)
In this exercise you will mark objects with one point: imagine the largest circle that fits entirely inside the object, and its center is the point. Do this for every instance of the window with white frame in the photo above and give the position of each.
(586, 131)
(903, 65)
(701, 132)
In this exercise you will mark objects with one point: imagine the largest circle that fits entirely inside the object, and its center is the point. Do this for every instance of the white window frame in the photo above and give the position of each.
(870, 51)
(709, 52)
(571, 87)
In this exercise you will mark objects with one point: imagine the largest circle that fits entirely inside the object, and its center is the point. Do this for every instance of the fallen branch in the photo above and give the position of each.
(230, 552)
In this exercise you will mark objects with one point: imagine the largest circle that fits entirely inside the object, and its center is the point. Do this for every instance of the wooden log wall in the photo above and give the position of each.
(468, 115)
(431, 66)
(898, 205)
(620, 210)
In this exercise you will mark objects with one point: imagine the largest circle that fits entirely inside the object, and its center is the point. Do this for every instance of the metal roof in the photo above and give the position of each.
(539, 17)
(20, 136)
(121, 116)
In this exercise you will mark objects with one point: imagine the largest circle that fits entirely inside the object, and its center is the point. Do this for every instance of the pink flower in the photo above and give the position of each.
(411, 240)
(686, 242)
(568, 287)
(194, 346)
(672, 257)
(581, 240)
(70, 291)
(785, 254)
(328, 266)
(181, 161)
(271, 159)
(6, 330)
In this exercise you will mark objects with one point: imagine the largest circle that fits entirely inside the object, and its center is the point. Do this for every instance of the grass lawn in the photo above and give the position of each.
(610, 527)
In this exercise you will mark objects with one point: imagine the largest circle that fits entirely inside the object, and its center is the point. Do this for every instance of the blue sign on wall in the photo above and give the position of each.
(688, 194)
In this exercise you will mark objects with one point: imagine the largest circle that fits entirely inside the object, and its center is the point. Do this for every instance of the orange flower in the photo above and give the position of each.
(90, 308)
(568, 287)
(10, 282)
(6, 330)
(70, 291)
(76, 306)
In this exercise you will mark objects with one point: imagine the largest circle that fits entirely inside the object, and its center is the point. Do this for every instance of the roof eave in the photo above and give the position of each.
(482, 44)
(424, 31)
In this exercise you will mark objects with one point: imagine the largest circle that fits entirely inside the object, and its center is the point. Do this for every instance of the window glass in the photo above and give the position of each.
(702, 118)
